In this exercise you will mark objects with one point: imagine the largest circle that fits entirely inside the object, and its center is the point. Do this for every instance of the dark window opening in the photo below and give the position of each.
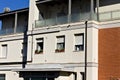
(2, 76)
(39, 47)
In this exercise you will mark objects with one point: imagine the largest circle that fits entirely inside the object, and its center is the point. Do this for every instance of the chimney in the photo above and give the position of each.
(6, 9)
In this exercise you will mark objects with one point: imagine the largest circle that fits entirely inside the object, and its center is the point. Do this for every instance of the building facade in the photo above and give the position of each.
(51, 43)
(13, 42)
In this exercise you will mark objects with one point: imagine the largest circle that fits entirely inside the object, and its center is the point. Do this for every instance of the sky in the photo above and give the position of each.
(13, 4)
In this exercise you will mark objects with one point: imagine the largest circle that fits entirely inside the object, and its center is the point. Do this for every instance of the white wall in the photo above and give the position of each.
(14, 51)
(33, 14)
(49, 55)
(108, 8)
(9, 75)
(70, 55)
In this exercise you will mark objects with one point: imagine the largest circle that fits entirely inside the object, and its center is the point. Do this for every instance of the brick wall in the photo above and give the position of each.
(109, 54)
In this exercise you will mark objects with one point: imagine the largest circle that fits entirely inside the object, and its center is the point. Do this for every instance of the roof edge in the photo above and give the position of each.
(14, 11)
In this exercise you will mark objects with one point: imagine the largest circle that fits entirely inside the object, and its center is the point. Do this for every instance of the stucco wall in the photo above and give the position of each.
(70, 55)
(9, 75)
(14, 51)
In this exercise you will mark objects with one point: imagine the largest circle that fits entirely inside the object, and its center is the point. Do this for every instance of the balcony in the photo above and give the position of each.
(11, 31)
(76, 17)
(103, 16)
(13, 22)
(70, 11)
(64, 11)
(51, 21)
(109, 16)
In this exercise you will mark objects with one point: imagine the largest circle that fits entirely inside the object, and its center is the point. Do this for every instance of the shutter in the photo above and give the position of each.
(60, 40)
(4, 50)
(79, 40)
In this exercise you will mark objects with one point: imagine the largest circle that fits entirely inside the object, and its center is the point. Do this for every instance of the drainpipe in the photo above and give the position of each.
(85, 75)
(98, 10)
(69, 11)
(15, 25)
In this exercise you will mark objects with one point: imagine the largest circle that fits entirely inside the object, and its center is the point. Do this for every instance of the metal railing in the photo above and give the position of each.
(109, 16)
(11, 30)
(76, 17)
(51, 21)
(6, 31)
(20, 29)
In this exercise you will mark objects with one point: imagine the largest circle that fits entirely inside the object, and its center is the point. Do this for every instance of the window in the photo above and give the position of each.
(39, 47)
(4, 51)
(2, 76)
(60, 44)
(79, 42)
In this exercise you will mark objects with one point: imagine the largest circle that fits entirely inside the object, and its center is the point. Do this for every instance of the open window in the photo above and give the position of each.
(39, 47)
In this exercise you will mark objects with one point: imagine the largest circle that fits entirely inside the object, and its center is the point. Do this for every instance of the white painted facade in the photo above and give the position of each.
(12, 38)
(66, 65)
(70, 61)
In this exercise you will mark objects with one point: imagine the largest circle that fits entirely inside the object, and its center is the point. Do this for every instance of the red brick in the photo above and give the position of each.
(109, 53)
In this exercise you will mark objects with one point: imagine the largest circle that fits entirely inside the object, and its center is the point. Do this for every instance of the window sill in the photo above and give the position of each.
(59, 51)
(78, 51)
(38, 52)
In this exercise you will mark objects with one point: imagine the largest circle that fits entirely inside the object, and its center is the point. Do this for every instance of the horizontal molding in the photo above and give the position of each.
(61, 65)
(109, 24)
(9, 67)
(43, 31)
(11, 37)
(45, 67)
(64, 27)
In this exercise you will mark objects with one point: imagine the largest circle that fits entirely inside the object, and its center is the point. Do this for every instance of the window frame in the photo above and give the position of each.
(4, 55)
(39, 41)
(81, 46)
(58, 43)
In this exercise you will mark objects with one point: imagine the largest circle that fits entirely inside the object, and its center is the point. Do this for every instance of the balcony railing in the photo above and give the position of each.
(20, 29)
(11, 31)
(76, 17)
(105, 16)
(109, 16)
(6, 31)
(51, 21)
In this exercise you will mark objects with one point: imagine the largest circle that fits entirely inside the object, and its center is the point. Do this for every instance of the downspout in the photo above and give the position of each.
(15, 25)
(98, 10)
(85, 75)
(69, 11)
